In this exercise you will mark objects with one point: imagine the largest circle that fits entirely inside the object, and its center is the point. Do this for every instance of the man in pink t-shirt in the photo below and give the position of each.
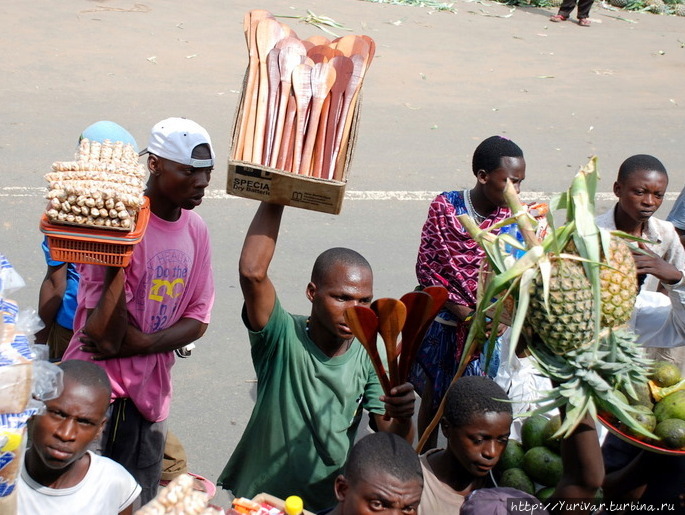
(131, 320)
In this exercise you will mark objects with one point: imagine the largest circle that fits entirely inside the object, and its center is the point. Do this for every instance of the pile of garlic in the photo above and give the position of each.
(103, 187)
(179, 498)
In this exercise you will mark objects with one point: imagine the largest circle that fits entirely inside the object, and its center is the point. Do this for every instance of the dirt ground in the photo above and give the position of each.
(440, 83)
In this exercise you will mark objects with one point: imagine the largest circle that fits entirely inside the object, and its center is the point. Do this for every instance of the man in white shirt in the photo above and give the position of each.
(59, 474)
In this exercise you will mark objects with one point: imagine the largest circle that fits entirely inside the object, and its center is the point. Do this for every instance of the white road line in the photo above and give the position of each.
(376, 195)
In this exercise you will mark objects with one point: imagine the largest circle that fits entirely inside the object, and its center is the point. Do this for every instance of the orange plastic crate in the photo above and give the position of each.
(92, 246)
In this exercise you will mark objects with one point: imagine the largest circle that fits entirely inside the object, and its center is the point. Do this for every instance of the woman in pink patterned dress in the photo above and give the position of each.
(449, 257)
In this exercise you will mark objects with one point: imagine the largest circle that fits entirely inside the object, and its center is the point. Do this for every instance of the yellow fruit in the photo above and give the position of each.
(665, 373)
(568, 324)
(618, 284)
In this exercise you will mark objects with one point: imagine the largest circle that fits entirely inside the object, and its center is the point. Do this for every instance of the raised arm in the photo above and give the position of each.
(255, 258)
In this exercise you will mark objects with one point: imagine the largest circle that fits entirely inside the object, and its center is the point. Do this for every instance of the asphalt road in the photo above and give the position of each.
(440, 83)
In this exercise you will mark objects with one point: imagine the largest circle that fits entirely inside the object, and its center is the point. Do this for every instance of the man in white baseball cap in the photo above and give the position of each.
(131, 320)
(176, 138)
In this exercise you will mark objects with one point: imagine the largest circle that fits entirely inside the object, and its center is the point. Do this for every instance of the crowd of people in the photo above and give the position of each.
(117, 332)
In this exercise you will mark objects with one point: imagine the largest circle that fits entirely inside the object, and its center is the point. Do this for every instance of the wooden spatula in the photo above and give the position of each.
(269, 32)
(363, 323)
(322, 79)
(288, 130)
(343, 71)
(249, 105)
(272, 104)
(352, 86)
(292, 54)
(392, 314)
(302, 85)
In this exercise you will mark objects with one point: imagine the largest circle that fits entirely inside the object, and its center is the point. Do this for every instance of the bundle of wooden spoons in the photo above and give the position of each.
(408, 318)
(299, 97)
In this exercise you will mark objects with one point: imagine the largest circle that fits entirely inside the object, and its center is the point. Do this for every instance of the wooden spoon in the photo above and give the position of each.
(439, 296)
(322, 53)
(352, 86)
(292, 54)
(322, 79)
(302, 85)
(363, 323)
(418, 304)
(372, 48)
(343, 71)
(392, 314)
(351, 45)
(318, 39)
(250, 22)
(269, 32)
(272, 105)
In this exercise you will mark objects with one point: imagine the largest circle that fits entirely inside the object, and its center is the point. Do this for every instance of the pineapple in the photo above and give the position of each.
(618, 284)
(679, 10)
(655, 6)
(573, 293)
(568, 324)
(619, 3)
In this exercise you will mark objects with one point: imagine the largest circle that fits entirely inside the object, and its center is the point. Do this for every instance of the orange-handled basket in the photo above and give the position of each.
(93, 246)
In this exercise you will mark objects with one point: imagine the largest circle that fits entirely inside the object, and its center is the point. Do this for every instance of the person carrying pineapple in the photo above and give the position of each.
(131, 320)
(640, 188)
(449, 257)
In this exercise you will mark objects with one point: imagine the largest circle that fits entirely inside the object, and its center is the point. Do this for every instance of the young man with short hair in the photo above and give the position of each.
(59, 474)
(640, 188)
(314, 378)
(131, 320)
(382, 475)
(476, 423)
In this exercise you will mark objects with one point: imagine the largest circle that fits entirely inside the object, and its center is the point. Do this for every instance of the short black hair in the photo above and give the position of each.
(488, 155)
(640, 162)
(87, 374)
(336, 255)
(383, 453)
(473, 395)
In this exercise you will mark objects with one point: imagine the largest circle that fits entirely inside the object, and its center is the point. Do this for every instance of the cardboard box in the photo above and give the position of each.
(249, 180)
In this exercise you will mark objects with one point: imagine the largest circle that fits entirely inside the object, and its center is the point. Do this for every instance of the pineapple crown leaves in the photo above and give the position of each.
(582, 380)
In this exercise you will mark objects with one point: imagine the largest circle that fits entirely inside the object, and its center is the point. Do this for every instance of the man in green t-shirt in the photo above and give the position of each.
(314, 378)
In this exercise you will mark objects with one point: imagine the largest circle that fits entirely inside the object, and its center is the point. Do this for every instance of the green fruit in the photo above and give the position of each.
(645, 418)
(532, 431)
(517, 478)
(552, 426)
(545, 493)
(543, 466)
(665, 373)
(644, 398)
(671, 406)
(512, 457)
(672, 433)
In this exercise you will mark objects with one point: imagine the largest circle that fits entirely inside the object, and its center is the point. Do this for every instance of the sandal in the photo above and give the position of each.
(584, 22)
(558, 18)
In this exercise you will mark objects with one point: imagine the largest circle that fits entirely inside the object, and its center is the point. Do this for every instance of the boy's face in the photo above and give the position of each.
(641, 194)
(342, 287)
(478, 445)
(512, 168)
(183, 185)
(378, 493)
(71, 422)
